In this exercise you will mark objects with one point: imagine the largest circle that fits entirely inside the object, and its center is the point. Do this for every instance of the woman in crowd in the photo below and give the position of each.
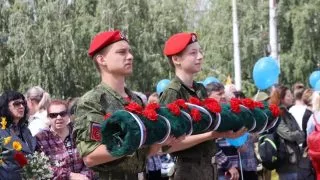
(37, 100)
(13, 113)
(290, 135)
(307, 100)
(194, 153)
(299, 107)
(57, 143)
(216, 91)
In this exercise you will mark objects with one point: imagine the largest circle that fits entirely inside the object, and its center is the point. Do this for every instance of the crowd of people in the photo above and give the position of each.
(68, 131)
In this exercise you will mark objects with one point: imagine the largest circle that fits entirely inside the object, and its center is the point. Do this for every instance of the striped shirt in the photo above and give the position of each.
(63, 155)
(227, 156)
(248, 158)
(154, 163)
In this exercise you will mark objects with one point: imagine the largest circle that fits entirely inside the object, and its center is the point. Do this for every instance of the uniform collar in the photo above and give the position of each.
(117, 95)
(194, 85)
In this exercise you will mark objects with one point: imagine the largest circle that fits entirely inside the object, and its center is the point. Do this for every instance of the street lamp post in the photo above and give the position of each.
(236, 50)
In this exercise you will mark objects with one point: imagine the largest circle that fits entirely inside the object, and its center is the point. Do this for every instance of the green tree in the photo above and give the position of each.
(45, 42)
(299, 36)
(215, 29)
(48, 41)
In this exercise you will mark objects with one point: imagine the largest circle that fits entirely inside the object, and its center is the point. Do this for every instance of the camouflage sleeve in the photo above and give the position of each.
(87, 113)
(202, 91)
(168, 96)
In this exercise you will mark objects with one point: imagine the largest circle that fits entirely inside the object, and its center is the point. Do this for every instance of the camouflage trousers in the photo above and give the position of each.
(190, 169)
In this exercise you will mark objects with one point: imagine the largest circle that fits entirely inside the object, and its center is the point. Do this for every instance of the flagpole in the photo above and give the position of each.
(273, 36)
(236, 50)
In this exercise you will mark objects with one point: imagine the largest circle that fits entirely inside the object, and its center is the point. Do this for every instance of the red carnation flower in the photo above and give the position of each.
(134, 107)
(212, 105)
(174, 109)
(20, 158)
(195, 114)
(209, 101)
(258, 104)
(153, 106)
(214, 108)
(150, 114)
(249, 103)
(181, 103)
(194, 100)
(235, 105)
(106, 116)
(275, 110)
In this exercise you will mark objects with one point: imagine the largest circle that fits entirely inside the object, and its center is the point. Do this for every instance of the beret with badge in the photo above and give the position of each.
(104, 39)
(178, 42)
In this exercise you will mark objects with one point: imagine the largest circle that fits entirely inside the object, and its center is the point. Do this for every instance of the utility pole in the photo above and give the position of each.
(273, 35)
(236, 50)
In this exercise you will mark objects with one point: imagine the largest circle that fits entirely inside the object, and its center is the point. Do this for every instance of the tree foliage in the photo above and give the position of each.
(48, 41)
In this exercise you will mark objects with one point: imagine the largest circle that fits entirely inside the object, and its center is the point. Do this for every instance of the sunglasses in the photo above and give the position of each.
(18, 103)
(55, 115)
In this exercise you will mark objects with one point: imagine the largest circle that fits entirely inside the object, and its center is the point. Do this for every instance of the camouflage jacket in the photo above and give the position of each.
(90, 112)
(178, 90)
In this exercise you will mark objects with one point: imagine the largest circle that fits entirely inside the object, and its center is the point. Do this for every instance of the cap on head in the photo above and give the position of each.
(104, 39)
(178, 42)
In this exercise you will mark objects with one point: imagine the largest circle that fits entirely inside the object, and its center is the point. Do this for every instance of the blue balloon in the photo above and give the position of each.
(161, 86)
(209, 80)
(314, 77)
(265, 72)
(317, 86)
(239, 141)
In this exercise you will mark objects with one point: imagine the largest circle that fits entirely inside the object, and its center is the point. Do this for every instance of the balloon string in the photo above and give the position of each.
(241, 170)
(256, 97)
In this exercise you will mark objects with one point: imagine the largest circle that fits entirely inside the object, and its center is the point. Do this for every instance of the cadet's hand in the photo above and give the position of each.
(233, 173)
(173, 140)
(78, 176)
(155, 148)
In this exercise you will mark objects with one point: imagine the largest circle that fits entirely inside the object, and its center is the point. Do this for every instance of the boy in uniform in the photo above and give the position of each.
(112, 56)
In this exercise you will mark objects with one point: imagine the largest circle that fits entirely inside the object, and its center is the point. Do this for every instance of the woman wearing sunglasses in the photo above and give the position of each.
(13, 112)
(57, 143)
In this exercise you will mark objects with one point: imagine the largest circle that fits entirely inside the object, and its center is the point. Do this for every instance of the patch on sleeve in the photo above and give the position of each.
(95, 132)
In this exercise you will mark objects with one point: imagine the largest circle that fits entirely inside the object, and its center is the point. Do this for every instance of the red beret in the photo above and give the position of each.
(178, 42)
(104, 39)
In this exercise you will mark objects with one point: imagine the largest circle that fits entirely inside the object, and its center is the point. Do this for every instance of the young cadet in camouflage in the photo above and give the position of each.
(194, 152)
(112, 56)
